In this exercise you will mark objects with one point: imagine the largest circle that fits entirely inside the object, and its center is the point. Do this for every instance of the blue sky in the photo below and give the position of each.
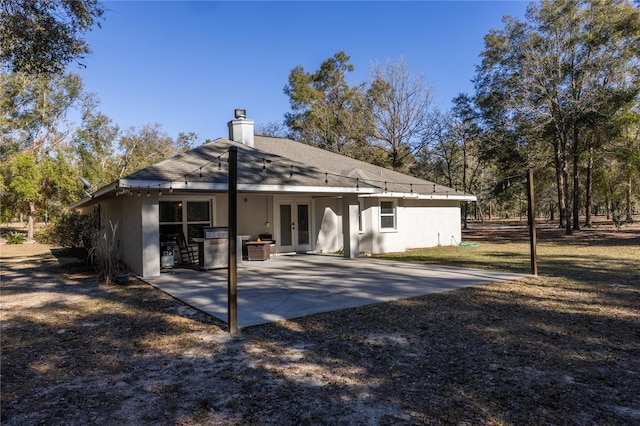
(187, 65)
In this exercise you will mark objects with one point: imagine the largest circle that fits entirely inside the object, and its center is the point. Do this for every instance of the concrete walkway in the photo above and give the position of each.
(295, 286)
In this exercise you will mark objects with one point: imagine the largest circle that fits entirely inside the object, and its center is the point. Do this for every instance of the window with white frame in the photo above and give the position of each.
(387, 215)
(174, 213)
(360, 213)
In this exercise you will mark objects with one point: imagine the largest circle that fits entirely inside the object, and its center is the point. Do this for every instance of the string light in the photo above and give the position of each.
(265, 161)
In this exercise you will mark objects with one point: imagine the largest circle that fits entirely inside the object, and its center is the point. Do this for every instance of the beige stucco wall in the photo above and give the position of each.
(254, 211)
(124, 213)
(420, 223)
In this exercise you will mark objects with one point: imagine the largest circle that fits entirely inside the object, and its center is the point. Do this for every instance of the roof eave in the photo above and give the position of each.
(245, 187)
(99, 193)
(416, 196)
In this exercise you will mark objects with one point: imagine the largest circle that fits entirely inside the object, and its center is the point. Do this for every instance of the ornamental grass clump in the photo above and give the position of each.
(14, 237)
(105, 254)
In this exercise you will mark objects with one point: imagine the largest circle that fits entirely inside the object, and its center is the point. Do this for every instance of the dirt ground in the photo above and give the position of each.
(562, 348)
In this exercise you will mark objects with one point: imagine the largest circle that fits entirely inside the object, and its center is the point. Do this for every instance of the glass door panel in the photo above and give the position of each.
(286, 235)
(303, 224)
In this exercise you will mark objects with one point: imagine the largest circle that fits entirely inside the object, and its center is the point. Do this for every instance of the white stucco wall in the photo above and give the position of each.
(419, 223)
(327, 225)
(427, 223)
(150, 236)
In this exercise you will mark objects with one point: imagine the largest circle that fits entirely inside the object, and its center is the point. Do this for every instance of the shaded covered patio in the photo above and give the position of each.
(294, 286)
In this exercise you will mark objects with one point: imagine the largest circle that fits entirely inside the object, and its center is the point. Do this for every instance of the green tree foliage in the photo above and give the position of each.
(34, 110)
(94, 145)
(568, 68)
(326, 111)
(44, 36)
(625, 150)
(44, 154)
(24, 177)
(35, 133)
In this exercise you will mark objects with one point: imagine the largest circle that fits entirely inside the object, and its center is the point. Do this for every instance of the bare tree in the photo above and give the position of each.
(400, 103)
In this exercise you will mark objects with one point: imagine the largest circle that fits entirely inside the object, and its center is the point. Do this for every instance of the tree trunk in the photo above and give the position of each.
(464, 183)
(566, 198)
(480, 212)
(588, 189)
(629, 218)
(576, 186)
(559, 183)
(465, 211)
(30, 216)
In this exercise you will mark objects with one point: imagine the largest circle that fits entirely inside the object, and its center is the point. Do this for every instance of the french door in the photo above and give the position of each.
(293, 225)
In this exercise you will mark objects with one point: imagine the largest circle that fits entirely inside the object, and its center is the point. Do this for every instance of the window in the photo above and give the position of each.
(197, 218)
(360, 219)
(173, 213)
(170, 220)
(387, 215)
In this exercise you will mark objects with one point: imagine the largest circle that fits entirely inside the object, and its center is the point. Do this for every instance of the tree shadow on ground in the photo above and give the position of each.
(546, 350)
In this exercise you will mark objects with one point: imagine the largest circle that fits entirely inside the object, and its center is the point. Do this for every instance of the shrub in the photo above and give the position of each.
(70, 230)
(14, 237)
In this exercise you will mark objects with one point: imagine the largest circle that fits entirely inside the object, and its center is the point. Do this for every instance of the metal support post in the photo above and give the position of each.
(532, 222)
(233, 232)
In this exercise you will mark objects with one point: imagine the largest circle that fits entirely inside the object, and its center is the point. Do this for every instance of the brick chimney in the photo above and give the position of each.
(241, 129)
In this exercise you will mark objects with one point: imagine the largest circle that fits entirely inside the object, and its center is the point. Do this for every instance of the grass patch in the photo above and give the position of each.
(593, 255)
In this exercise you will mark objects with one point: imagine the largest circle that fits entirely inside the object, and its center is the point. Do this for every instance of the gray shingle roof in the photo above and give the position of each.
(207, 164)
(278, 164)
(345, 166)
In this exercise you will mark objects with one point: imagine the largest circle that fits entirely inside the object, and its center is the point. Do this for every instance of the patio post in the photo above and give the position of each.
(233, 232)
(350, 231)
(532, 222)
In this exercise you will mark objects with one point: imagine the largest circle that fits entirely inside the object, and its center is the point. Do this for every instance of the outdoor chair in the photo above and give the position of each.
(187, 253)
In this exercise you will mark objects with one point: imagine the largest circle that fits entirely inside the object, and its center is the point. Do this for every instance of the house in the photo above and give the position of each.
(308, 199)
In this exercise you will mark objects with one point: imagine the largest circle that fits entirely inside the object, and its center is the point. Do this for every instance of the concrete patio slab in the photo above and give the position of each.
(289, 287)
